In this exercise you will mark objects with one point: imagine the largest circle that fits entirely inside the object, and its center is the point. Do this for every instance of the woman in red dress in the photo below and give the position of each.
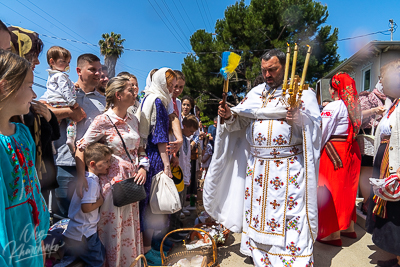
(340, 162)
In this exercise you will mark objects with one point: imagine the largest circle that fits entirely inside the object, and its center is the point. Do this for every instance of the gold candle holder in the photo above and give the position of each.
(295, 88)
(303, 76)
(285, 78)
(293, 68)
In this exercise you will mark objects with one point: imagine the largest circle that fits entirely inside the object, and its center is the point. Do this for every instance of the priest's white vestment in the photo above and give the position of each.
(263, 176)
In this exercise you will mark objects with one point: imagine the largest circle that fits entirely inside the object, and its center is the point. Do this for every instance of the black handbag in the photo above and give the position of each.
(127, 191)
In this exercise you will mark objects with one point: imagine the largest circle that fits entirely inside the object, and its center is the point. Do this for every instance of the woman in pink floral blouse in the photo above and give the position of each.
(119, 227)
(372, 106)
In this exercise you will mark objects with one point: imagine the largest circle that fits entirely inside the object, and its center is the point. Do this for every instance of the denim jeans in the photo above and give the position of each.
(66, 178)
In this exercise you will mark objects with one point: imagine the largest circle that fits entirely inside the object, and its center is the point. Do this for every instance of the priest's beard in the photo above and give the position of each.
(277, 81)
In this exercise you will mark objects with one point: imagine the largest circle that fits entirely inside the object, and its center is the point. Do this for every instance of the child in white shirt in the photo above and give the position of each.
(60, 89)
(81, 237)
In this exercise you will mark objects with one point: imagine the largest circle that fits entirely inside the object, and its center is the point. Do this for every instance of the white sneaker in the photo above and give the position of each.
(182, 216)
(186, 212)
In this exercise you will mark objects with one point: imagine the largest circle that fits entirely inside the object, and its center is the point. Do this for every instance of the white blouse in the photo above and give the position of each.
(335, 120)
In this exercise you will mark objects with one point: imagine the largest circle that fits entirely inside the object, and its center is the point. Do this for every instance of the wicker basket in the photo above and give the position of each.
(210, 259)
(210, 253)
(225, 233)
(142, 257)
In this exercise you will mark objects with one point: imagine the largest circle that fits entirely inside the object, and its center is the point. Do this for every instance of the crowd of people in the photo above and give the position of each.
(282, 176)
(64, 152)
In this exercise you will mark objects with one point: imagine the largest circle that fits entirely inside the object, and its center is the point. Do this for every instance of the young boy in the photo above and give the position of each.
(81, 237)
(190, 125)
(60, 89)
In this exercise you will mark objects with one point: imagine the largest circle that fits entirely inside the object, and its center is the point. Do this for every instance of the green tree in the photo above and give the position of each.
(111, 48)
(250, 30)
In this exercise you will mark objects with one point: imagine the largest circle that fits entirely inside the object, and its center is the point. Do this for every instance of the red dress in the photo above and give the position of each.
(337, 188)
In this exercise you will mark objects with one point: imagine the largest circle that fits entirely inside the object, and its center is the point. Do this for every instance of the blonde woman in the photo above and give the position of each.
(119, 227)
(24, 219)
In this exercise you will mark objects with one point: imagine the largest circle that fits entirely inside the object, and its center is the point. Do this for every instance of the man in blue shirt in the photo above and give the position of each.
(212, 129)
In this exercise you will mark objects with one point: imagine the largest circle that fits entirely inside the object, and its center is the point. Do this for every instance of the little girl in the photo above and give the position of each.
(60, 89)
(24, 219)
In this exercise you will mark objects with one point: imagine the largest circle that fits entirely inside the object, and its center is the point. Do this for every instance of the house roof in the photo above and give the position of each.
(369, 50)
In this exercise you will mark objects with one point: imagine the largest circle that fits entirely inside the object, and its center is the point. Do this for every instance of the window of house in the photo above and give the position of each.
(367, 80)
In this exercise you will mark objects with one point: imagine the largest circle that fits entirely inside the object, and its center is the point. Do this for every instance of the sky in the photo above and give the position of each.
(166, 25)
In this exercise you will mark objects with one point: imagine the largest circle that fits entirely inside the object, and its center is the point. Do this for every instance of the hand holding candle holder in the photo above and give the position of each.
(293, 87)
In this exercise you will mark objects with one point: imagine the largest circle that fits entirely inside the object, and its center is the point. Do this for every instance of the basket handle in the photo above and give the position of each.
(214, 245)
(141, 256)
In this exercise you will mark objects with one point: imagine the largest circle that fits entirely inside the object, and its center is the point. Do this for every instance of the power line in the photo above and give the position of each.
(205, 13)
(59, 22)
(31, 20)
(166, 17)
(173, 17)
(190, 20)
(39, 85)
(368, 34)
(180, 14)
(209, 13)
(166, 25)
(201, 13)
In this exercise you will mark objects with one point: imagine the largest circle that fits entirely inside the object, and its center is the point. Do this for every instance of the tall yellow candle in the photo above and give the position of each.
(285, 78)
(293, 66)
(303, 76)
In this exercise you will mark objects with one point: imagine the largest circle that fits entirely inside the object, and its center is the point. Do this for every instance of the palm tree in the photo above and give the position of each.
(111, 48)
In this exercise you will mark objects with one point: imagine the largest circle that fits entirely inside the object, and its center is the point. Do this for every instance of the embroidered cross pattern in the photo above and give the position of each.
(276, 183)
(259, 200)
(278, 162)
(292, 159)
(292, 248)
(275, 204)
(256, 221)
(291, 203)
(273, 224)
(279, 140)
(274, 153)
(248, 244)
(258, 180)
(294, 150)
(249, 171)
(246, 193)
(247, 213)
(293, 180)
(261, 162)
(265, 260)
(292, 224)
(260, 138)
(287, 263)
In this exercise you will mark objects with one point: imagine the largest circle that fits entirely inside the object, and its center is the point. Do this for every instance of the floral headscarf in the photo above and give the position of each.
(346, 88)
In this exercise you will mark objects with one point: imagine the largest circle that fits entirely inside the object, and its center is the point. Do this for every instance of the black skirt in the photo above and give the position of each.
(385, 232)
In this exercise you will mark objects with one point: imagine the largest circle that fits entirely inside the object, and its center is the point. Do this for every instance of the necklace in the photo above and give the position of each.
(267, 96)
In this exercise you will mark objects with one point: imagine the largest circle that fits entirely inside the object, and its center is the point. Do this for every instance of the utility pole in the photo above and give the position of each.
(391, 29)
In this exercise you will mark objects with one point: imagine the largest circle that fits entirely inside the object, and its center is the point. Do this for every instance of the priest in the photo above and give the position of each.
(263, 175)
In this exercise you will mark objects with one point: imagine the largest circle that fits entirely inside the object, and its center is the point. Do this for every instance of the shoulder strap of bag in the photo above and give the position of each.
(123, 143)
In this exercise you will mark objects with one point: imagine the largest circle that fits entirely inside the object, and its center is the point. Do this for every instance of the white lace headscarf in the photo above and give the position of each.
(156, 87)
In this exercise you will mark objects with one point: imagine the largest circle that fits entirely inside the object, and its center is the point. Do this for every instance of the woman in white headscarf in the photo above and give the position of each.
(153, 130)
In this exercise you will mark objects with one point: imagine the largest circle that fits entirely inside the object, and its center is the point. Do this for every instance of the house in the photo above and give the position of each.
(364, 67)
